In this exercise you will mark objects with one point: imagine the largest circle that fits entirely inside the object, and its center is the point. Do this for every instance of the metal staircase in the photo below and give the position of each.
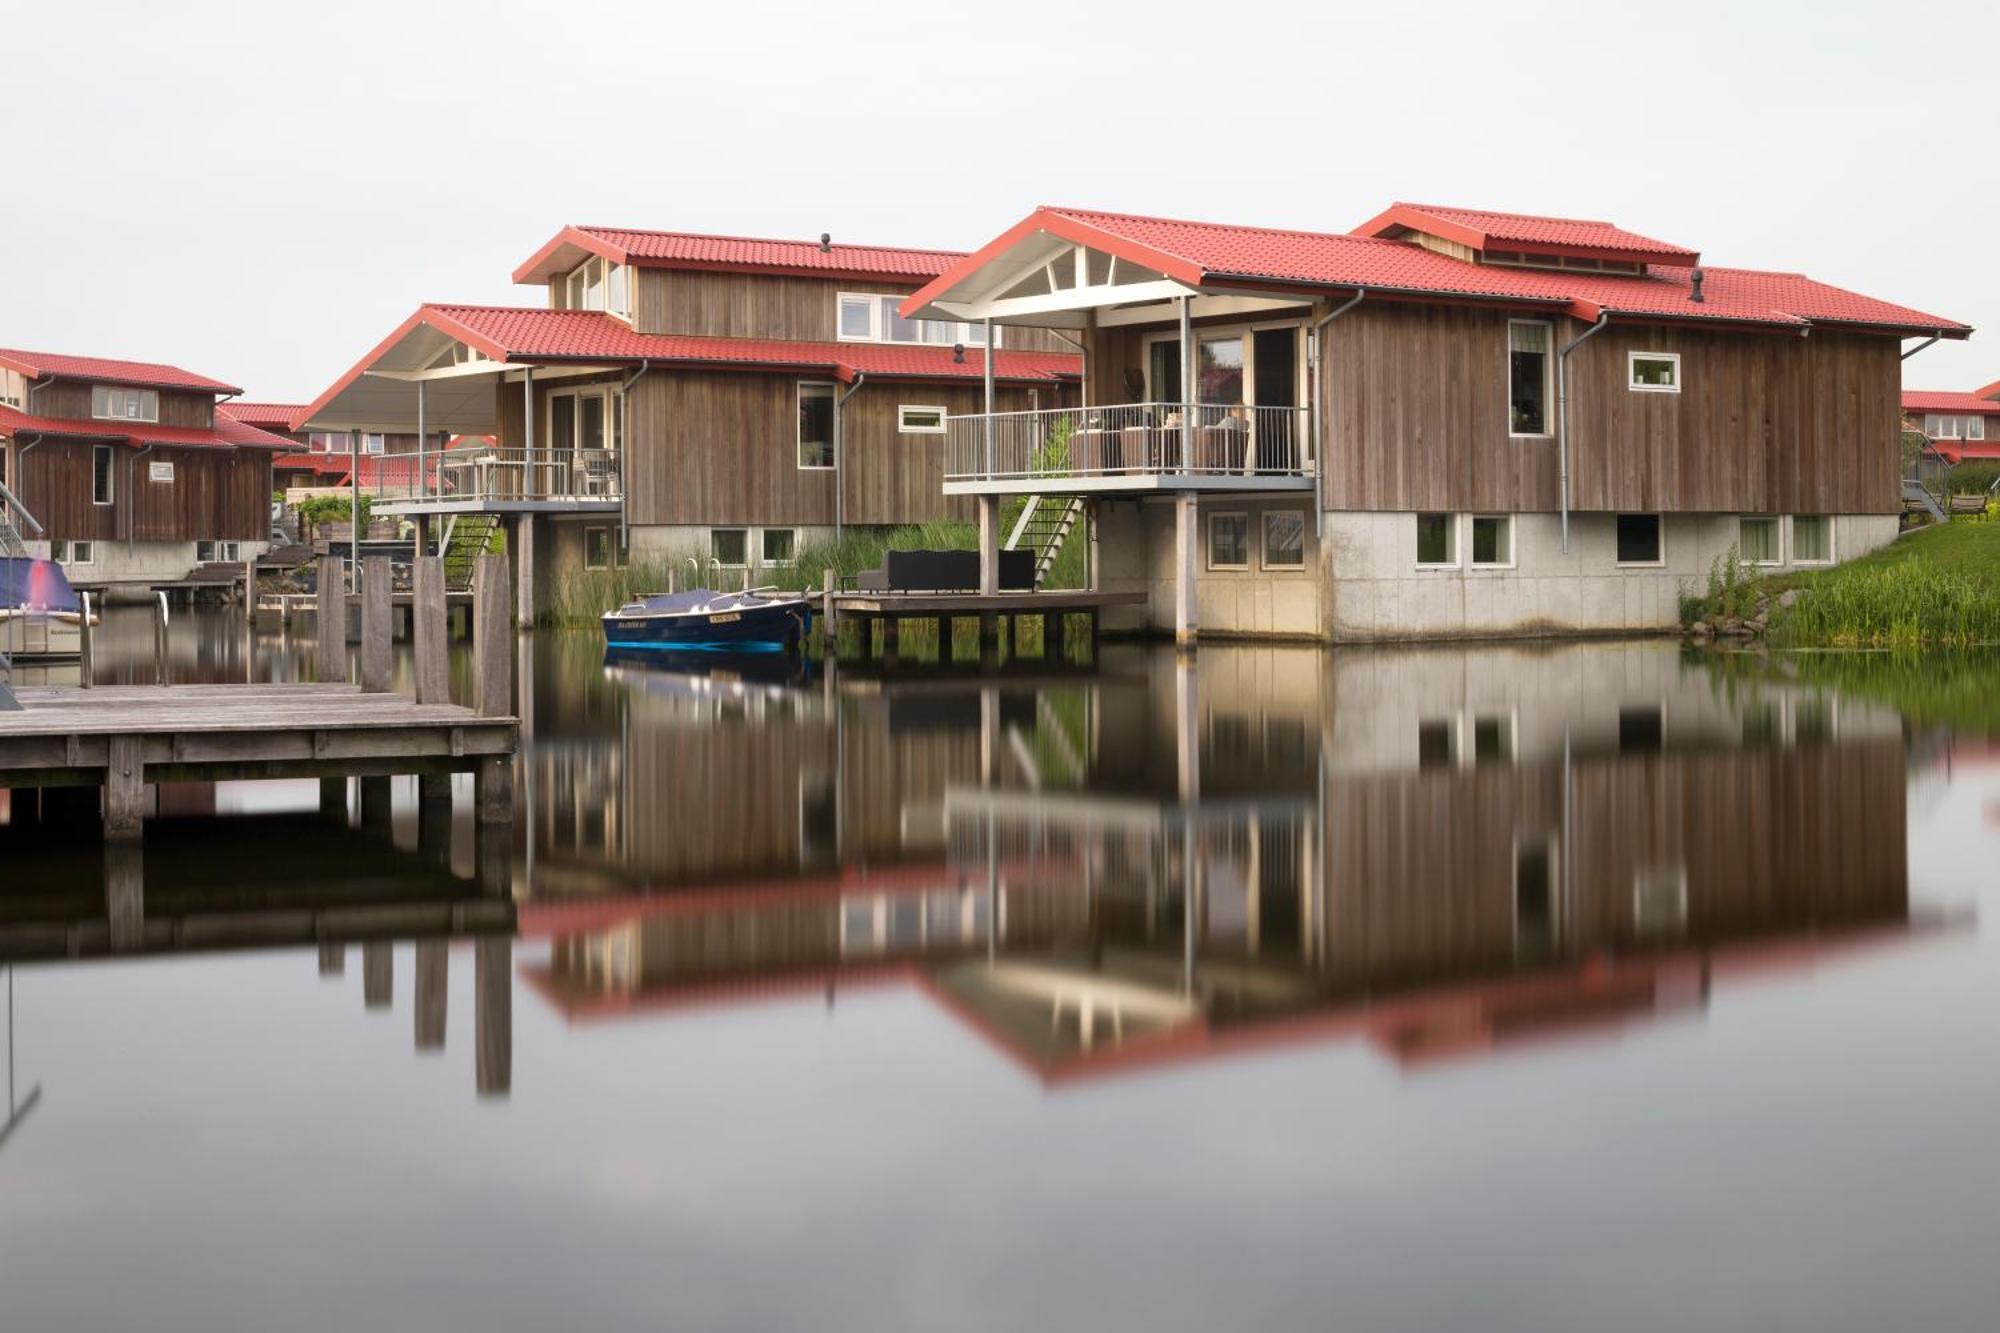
(1043, 527)
(1916, 495)
(466, 538)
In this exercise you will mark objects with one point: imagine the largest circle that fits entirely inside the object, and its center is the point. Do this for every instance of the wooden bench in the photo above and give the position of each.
(1965, 504)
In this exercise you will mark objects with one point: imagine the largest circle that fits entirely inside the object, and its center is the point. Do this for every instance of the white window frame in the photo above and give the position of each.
(146, 398)
(717, 559)
(1657, 563)
(160, 471)
(1264, 540)
(1975, 427)
(1208, 545)
(1472, 561)
(832, 394)
(110, 476)
(1548, 382)
(1301, 387)
(82, 552)
(1777, 544)
(1451, 537)
(1632, 360)
(1832, 555)
(763, 554)
(218, 550)
(613, 398)
(610, 546)
(867, 305)
(903, 426)
(878, 324)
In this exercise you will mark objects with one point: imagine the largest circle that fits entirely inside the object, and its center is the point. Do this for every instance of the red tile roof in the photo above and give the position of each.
(146, 374)
(1213, 254)
(1989, 391)
(227, 434)
(265, 416)
(324, 464)
(681, 249)
(1926, 400)
(1482, 230)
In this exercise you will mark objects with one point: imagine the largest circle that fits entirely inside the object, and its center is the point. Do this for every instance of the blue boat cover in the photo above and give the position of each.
(36, 585)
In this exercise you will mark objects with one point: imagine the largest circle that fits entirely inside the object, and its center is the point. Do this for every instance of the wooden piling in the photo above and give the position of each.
(125, 895)
(427, 617)
(377, 656)
(330, 620)
(492, 639)
(493, 1015)
(376, 806)
(1052, 629)
(124, 788)
(332, 958)
(433, 963)
(493, 789)
(378, 977)
(829, 627)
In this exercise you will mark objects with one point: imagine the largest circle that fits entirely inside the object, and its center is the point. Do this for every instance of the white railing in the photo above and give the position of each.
(494, 474)
(1210, 440)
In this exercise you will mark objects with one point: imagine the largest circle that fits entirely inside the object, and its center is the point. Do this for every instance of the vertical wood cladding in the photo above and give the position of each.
(760, 305)
(70, 399)
(1416, 417)
(721, 448)
(215, 494)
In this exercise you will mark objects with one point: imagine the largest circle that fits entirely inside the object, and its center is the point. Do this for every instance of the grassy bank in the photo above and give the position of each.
(1938, 587)
(581, 595)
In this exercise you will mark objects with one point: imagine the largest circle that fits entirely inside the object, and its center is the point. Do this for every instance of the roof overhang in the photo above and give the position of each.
(565, 250)
(1399, 219)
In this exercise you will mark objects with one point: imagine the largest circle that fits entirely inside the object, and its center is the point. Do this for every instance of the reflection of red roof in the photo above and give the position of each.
(1212, 254)
(226, 434)
(1929, 400)
(536, 335)
(1482, 230)
(148, 374)
(680, 249)
(265, 416)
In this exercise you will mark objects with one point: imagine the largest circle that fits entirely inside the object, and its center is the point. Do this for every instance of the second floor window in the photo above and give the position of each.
(1527, 378)
(103, 477)
(598, 284)
(111, 402)
(815, 425)
(873, 318)
(1946, 427)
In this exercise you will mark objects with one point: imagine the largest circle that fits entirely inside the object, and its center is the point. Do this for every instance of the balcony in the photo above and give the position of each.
(1130, 447)
(496, 480)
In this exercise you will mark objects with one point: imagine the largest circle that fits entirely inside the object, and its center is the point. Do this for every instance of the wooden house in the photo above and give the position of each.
(719, 398)
(1959, 426)
(134, 474)
(1443, 422)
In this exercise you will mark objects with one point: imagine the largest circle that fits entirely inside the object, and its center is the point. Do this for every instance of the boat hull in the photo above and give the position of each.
(774, 628)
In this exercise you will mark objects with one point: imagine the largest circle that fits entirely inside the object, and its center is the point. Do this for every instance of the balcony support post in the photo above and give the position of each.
(422, 490)
(528, 427)
(989, 545)
(986, 378)
(1186, 540)
(1187, 384)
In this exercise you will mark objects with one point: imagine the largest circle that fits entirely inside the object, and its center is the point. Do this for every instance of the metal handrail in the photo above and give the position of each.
(1130, 440)
(482, 472)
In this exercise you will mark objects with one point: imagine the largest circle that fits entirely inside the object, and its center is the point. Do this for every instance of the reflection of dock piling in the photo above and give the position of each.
(120, 739)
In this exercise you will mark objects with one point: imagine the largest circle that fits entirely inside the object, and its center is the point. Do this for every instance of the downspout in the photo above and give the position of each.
(625, 410)
(1562, 414)
(1314, 429)
(840, 453)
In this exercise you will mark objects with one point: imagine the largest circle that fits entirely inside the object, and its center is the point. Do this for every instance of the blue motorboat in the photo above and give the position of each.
(703, 620)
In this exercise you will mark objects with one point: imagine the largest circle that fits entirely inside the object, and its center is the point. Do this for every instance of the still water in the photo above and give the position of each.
(1505, 988)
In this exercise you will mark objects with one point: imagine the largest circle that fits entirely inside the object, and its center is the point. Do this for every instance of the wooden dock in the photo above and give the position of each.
(119, 738)
(991, 610)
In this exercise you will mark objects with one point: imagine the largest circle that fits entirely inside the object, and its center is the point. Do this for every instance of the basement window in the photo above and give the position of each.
(1528, 367)
(1757, 541)
(103, 477)
(779, 545)
(217, 552)
(1639, 539)
(1492, 541)
(597, 548)
(73, 553)
(730, 547)
(1653, 372)
(1812, 539)
(1437, 543)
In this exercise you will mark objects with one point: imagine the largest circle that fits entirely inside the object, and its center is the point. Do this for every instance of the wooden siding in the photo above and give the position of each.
(757, 305)
(721, 449)
(70, 399)
(215, 494)
(1416, 419)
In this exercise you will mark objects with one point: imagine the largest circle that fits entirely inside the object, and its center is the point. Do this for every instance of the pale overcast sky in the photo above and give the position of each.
(261, 191)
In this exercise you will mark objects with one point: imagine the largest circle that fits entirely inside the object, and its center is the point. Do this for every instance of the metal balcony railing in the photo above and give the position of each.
(1216, 442)
(495, 474)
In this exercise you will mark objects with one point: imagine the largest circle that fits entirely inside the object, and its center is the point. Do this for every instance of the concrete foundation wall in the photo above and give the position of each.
(678, 541)
(141, 563)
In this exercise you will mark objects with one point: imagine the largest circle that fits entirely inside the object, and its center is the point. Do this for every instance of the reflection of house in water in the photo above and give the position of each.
(1436, 854)
(287, 881)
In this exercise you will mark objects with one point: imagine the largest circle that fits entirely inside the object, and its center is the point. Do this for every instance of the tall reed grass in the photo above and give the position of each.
(1903, 605)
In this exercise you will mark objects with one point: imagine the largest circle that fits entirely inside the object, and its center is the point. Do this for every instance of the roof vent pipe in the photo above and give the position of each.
(1695, 277)
(958, 354)
(826, 242)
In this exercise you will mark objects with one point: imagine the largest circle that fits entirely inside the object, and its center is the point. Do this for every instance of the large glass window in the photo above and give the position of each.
(1164, 363)
(1638, 539)
(815, 425)
(1221, 370)
(1528, 377)
(115, 403)
(1436, 539)
(779, 543)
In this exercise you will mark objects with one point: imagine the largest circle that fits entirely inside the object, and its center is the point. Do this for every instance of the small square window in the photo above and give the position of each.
(1812, 539)
(76, 553)
(857, 314)
(1437, 539)
(920, 420)
(1757, 541)
(729, 546)
(779, 543)
(1492, 540)
(1228, 541)
(1641, 731)
(1492, 740)
(1285, 539)
(1654, 372)
(1639, 539)
(1437, 744)
(597, 548)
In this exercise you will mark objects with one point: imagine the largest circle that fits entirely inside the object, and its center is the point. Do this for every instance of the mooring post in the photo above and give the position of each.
(163, 673)
(1052, 629)
(433, 964)
(378, 977)
(377, 658)
(492, 641)
(125, 895)
(124, 787)
(86, 659)
(330, 620)
(427, 616)
(829, 630)
(493, 1015)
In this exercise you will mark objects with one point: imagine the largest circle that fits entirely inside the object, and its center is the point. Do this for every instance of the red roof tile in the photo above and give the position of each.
(1926, 400)
(680, 249)
(1482, 229)
(1213, 254)
(227, 434)
(265, 416)
(147, 374)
